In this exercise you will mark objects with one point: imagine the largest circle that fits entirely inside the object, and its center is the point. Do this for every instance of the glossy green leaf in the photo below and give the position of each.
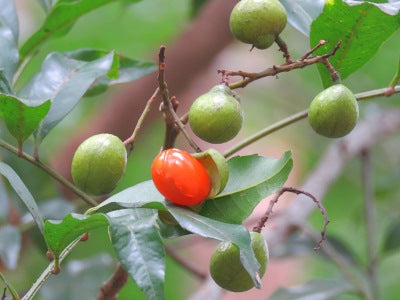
(140, 248)
(23, 192)
(64, 81)
(10, 287)
(210, 228)
(392, 238)
(79, 279)
(301, 13)
(123, 69)
(59, 234)
(362, 28)
(251, 179)
(316, 290)
(22, 117)
(143, 194)
(10, 245)
(60, 20)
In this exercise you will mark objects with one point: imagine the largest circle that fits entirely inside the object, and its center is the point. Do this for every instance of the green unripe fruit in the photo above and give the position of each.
(99, 163)
(216, 117)
(334, 112)
(227, 270)
(258, 22)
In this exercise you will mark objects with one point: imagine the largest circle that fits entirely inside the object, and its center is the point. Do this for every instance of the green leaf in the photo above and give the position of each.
(301, 13)
(123, 69)
(251, 179)
(64, 81)
(210, 228)
(4, 202)
(10, 287)
(140, 248)
(392, 238)
(23, 192)
(316, 289)
(10, 245)
(59, 234)
(60, 20)
(22, 117)
(80, 279)
(143, 194)
(5, 87)
(362, 28)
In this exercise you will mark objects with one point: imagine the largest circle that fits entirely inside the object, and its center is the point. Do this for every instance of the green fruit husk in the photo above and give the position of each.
(258, 22)
(227, 270)
(334, 112)
(216, 117)
(99, 163)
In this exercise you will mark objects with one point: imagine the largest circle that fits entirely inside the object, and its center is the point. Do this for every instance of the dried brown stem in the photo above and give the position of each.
(284, 48)
(274, 201)
(4, 294)
(129, 142)
(110, 288)
(274, 70)
(173, 122)
(311, 51)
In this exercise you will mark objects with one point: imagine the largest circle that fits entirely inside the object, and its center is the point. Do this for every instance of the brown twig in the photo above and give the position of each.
(110, 288)
(284, 48)
(311, 51)
(334, 74)
(173, 123)
(267, 214)
(274, 70)
(129, 142)
(4, 294)
(187, 264)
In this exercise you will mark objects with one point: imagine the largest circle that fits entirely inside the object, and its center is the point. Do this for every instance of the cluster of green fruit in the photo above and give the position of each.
(216, 117)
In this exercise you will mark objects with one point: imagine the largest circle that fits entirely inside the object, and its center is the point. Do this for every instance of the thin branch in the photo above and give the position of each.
(49, 171)
(129, 142)
(274, 70)
(370, 220)
(315, 48)
(4, 294)
(284, 48)
(297, 117)
(334, 74)
(339, 260)
(173, 122)
(187, 264)
(274, 201)
(109, 289)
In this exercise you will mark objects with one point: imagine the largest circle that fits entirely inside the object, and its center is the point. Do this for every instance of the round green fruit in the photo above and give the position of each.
(99, 163)
(227, 270)
(334, 112)
(216, 117)
(258, 22)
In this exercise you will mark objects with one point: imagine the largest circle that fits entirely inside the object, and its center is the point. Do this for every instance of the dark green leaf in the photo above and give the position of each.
(9, 52)
(251, 179)
(392, 239)
(210, 228)
(123, 69)
(22, 117)
(316, 290)
(171, 231)
(362, 28)
(80, 279)
(143, 194)
(10, 287)
(5, 87)
(64, 81)
(59, 234)
(139, 248)
(10, 245)
(301, 13)
(22, 191)
(60, 20)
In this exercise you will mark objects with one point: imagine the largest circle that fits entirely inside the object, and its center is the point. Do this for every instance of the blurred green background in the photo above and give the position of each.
(133, 31)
